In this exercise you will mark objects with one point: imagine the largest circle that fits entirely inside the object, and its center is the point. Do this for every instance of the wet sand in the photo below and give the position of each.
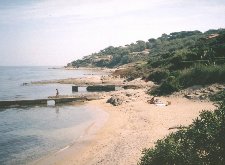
(88, 131)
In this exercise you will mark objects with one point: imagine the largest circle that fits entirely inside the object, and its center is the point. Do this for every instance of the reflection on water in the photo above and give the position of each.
(29, 133)
(57, 110)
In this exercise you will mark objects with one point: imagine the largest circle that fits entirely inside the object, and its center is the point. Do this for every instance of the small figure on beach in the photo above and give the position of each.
(152, 101)
(158, 102)
(57, 93)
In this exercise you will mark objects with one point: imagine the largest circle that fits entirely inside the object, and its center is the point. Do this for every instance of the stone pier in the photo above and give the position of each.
(74, 88)
(34, 102)
(98, 88)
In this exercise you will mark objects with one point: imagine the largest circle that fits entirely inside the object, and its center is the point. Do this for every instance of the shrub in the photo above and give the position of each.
(202, 75)
(218, 96)
(158, 76)
(197, 75)
(169, 86)
(158, 63)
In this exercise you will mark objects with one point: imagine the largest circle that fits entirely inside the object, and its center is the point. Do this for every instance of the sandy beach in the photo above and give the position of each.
(130, 127)
(134, 126)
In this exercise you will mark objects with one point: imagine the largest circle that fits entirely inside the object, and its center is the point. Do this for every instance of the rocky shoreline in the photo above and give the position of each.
(199, 92)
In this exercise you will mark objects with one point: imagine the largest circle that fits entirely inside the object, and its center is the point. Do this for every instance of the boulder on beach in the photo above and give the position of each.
(115, 100)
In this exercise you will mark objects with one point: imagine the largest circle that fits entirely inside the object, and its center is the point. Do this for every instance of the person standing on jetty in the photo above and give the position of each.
(57, 93)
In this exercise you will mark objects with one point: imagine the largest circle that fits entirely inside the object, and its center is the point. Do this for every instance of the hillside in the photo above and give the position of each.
(174, 61)
(157, 50)
(115, 56)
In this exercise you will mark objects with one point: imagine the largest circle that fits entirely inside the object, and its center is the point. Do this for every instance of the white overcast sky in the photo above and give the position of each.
(55, 32)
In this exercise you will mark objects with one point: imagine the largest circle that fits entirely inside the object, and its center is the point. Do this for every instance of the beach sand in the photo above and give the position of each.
(130, 127)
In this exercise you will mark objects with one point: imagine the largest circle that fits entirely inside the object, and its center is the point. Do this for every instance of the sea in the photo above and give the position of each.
(29, 133)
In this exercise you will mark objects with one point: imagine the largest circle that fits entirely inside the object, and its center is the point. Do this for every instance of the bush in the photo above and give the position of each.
(198, 75)
(167, 87)
(200, 143)
(158, 76)
(218, 96)
(202, 75)
(158, 63)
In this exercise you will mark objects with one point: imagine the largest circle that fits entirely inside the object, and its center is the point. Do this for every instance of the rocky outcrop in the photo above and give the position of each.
(115, 100)
(199, 92)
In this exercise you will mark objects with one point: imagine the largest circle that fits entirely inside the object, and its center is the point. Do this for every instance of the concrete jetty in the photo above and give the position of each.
(98, 88)
(67, 98)
(57, 100)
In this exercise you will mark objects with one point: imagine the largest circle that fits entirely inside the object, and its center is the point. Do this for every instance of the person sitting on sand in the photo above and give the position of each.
(152, 101)
(158, 102)
(57, 93)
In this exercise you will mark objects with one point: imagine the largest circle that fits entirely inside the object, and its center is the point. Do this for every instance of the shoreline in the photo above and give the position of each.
(131, 127)
(89, 128)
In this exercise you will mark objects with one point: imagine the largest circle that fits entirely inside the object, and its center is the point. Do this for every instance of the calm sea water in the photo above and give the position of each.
(29, 133)
(12, 78)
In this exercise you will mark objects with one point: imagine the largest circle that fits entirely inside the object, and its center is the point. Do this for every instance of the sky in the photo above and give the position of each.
(56, 32)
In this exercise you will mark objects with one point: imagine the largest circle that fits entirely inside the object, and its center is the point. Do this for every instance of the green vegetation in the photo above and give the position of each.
(219, 97)
(174, 61)
(200, 143)
(202, 75)
(200, 61)
(115, 56)
(196, 75)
